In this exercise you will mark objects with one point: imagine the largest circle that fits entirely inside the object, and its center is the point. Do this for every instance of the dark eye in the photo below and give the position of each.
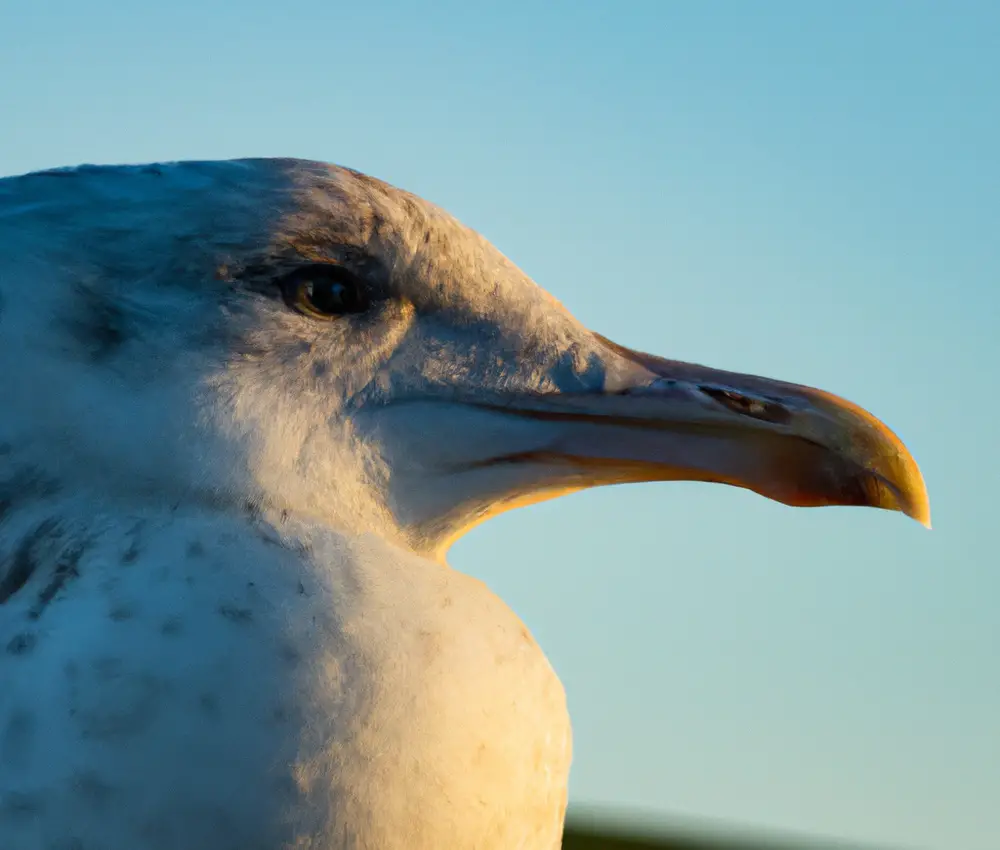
(324, 292)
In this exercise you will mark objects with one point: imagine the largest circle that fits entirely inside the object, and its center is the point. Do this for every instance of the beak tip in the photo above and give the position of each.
(916, 503)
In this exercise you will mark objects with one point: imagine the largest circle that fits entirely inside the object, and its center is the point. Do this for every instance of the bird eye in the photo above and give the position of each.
(324, 292)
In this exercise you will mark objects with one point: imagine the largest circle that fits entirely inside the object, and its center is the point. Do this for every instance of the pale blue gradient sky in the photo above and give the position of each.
(804, 190)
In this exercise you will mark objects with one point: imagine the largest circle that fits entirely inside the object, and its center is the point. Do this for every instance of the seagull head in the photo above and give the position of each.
(303, 338)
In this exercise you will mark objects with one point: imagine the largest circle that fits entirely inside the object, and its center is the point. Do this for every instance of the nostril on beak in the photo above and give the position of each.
(756, 408)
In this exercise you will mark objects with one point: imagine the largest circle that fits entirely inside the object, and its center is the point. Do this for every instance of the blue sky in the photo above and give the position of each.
(803, 190)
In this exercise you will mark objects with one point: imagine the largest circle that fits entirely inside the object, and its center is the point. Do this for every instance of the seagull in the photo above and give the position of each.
(246, 407)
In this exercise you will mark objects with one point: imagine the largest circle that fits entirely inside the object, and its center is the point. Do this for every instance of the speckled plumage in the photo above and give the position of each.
(225, 616)
(163, 701)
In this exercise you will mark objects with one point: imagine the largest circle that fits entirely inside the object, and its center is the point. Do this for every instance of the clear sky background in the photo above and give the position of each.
(806, 190)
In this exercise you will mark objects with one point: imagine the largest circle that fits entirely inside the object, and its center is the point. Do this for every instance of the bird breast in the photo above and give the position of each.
(202, 683)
